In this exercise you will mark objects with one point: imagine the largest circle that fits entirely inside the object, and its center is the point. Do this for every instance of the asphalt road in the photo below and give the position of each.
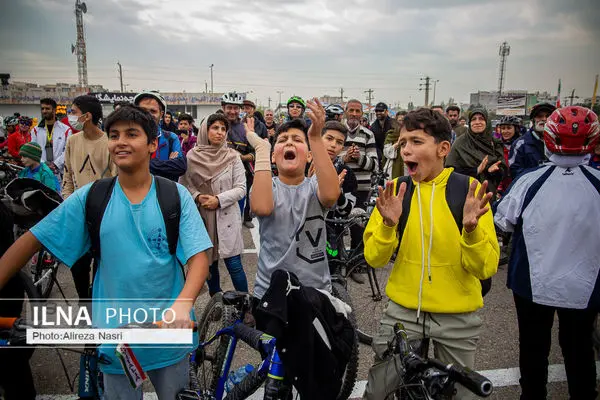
(497, 348)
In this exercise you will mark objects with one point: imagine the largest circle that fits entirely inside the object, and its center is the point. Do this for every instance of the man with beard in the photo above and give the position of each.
(381, 126)
(528, 151)
(453, 113)
(236, 139)
(168, 160)
(52, 136)
(360, 154)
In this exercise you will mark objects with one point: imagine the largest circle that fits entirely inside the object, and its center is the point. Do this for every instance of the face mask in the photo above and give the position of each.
(75, 123)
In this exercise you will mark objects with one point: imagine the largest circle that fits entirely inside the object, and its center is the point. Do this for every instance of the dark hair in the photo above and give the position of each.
(49, 102)
(220, 111)
(462, 117)
(258, 115)
(437, 106)
(217, 117)
(89, 104)
(453, 108)
(135, 114)
(297, 123)
(120, 104)
(432, 122)
(335, 126)
(185, 117)
(402, 112)
(169, 113)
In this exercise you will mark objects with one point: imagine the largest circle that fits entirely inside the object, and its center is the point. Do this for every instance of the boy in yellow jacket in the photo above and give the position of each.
(434, 287)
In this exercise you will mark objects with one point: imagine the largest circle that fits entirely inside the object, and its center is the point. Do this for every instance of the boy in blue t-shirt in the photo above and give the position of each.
(135, 262)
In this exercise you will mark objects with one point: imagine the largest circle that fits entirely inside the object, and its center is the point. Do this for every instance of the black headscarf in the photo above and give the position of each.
(471, 148)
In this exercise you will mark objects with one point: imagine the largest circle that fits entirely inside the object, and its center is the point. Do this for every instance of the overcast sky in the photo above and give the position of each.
(309, 47)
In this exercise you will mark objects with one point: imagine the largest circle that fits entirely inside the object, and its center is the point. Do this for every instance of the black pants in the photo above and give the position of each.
(249, 182)
(575, 338)
(81, 276)
(356, 232)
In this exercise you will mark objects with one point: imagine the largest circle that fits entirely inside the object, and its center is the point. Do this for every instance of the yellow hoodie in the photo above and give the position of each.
(436, 273)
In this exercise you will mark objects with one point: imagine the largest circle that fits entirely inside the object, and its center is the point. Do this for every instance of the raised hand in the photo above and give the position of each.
(475, 205)
(316, 113)
(389, 204)
(342, 176)
(249, 124)
(482, 166)
(495, 167)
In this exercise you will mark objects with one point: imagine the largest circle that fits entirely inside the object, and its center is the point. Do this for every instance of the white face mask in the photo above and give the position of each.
(75, 123)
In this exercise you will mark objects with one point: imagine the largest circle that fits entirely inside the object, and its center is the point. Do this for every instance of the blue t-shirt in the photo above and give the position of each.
(135, 262)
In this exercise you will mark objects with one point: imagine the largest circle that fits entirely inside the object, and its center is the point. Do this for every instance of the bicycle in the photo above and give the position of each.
(13, 333)
(343, 261)
(213, 358)
(8, 172)
(422, 378)
(211, 364)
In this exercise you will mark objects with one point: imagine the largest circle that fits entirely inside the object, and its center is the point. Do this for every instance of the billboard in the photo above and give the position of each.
(512, 104)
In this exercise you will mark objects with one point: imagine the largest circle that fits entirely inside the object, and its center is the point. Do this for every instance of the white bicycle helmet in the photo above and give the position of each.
(152, 94)
(232, 98)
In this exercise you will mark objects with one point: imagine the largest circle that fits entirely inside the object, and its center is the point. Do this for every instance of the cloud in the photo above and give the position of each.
(312, 47)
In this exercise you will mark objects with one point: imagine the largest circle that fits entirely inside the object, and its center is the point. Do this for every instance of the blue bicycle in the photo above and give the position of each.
(212, 360)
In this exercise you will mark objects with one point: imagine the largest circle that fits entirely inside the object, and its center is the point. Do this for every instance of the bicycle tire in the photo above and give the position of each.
(224, 315)
(349, 378)
(368, 300)
(44, 276)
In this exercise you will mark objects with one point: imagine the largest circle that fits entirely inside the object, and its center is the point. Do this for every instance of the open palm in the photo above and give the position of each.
(389, 204)
(476, 205)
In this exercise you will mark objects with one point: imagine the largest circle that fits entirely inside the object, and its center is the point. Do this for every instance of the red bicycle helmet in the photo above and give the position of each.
(572, 130)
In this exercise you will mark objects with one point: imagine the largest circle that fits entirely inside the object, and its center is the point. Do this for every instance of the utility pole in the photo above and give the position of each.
(369, 98)
(211, 78)
(342, 96)
(434, 87)
(425, 86)
(279, 92)
(269, 99)
(205, 87)
(120, 75)
(572, 96)
(80, 9)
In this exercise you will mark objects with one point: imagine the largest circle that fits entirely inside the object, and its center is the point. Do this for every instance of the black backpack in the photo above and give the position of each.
(99, 196)
(456, 193)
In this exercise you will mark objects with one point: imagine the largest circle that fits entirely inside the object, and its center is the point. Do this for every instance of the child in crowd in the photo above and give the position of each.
(291, 207)
(31, 155)
(434, 288)
(135, 262)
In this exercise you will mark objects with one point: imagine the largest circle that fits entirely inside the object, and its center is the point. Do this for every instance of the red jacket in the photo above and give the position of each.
(15, 141)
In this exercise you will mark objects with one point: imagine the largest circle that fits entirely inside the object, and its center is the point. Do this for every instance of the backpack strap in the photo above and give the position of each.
(457, 189)
(170, 207)
(410, 189)
(95, 205)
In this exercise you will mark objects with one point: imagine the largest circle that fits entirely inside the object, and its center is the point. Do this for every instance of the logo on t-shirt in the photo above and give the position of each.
(157, 241)
(308, 240)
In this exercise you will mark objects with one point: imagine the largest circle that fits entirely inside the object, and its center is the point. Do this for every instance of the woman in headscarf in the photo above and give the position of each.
(477, 153)
(216, 178)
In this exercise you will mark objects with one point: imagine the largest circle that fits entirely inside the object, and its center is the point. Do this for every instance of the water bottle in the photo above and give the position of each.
(237, 376)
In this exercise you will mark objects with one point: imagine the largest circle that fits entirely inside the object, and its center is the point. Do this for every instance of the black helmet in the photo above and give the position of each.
(510, 120)
(541, 107)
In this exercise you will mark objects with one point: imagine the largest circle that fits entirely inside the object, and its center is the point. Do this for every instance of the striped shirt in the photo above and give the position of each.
(364, 139)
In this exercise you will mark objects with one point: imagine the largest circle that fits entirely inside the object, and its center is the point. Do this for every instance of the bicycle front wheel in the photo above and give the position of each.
(209, 359)
(351, 371)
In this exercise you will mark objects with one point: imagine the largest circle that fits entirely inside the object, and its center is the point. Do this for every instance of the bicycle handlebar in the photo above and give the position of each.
(248, 335)
(474, 381)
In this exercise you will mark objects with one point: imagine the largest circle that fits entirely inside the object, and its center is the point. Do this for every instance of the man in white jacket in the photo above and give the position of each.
(51, 135)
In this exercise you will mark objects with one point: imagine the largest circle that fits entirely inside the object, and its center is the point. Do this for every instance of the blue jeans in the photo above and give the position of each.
(236, 271)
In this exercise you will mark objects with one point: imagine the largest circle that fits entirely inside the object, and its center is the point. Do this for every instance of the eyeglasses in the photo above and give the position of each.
(293, 105)
(24, 123)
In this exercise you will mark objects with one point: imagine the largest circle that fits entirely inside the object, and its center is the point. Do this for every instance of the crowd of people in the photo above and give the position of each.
(459, 178)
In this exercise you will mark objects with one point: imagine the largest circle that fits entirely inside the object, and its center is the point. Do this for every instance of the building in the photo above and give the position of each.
(24, 98)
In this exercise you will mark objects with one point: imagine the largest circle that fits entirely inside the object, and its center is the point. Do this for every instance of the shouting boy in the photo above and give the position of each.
(132, 225)
(434, 287)
(291, 207)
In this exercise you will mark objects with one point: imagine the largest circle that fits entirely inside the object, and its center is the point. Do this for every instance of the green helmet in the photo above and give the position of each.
(297, 99)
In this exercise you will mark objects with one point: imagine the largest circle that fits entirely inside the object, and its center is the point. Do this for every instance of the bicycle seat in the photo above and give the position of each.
(234, 298)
